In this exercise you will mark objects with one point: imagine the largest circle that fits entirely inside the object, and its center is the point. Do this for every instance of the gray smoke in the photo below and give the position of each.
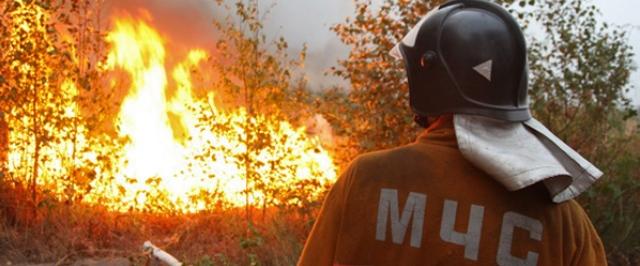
(188, 22)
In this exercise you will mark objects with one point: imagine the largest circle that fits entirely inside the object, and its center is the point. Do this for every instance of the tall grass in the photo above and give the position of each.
(64, 232)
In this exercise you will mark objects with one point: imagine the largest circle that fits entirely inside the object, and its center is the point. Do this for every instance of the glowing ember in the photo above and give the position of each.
(183, 153)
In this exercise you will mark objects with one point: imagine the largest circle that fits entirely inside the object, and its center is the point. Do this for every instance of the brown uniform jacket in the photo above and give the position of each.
(424, 204)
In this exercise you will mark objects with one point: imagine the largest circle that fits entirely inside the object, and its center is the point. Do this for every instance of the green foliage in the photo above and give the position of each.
(205, 261)
(252, 241)
(613, 204)
(580, 75)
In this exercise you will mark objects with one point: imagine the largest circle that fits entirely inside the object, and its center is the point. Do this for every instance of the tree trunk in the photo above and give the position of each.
(4, 147)
(36, 153)
(247, 143)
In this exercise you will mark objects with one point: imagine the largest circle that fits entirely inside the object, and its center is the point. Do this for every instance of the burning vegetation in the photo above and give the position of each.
(112, 133)
(174, 152)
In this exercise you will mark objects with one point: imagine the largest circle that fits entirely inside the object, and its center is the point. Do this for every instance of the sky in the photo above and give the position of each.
(309, 21)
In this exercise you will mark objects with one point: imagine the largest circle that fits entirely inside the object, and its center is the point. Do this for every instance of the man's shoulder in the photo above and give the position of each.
(572, 211)
(413, 160)
(387, 155)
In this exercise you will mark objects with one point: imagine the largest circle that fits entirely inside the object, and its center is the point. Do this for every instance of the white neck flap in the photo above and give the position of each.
(518, 155)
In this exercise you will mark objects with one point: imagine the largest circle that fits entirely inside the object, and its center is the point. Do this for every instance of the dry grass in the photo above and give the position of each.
(63, 232)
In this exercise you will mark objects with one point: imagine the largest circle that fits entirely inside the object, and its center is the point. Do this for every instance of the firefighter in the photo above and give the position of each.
(484, 184)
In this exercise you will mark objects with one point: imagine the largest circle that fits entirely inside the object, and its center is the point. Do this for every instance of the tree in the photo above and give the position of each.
(257, 75)
(580, 75)
(376, 109)
(49, 53)
(31, 96)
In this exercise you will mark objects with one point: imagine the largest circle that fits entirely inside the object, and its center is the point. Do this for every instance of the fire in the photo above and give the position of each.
(169, 136)
(182, 153)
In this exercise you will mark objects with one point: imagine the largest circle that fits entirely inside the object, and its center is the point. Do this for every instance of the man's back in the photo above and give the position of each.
(424, 204)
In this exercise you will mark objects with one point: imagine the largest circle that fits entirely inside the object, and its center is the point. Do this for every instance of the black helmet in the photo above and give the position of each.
(467, 56)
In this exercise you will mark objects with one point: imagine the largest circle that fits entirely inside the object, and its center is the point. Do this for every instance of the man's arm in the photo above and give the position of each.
(590, 250)
(321, 243)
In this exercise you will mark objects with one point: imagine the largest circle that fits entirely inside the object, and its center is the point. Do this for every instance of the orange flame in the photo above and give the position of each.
(157, 155)
(182, 153)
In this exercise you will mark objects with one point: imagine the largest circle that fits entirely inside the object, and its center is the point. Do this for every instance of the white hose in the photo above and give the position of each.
(160, 254)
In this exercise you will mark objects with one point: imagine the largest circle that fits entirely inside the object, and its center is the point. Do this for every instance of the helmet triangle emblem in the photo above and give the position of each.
(485, 69)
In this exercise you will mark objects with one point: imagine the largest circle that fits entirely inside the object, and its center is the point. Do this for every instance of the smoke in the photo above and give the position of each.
(318, 126)
(188, 23)
(309, 22)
